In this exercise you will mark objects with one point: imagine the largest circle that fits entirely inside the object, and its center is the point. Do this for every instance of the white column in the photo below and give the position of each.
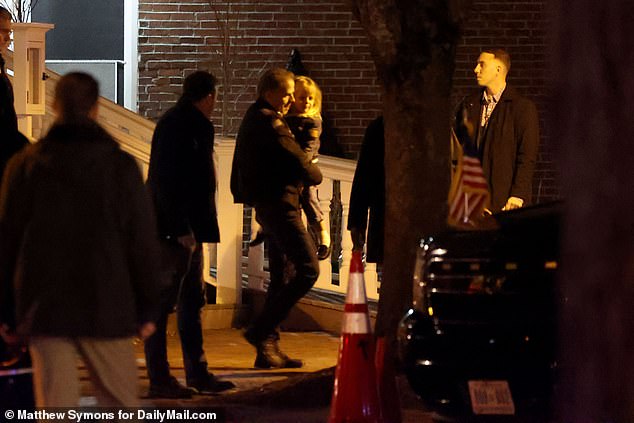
(130, 53)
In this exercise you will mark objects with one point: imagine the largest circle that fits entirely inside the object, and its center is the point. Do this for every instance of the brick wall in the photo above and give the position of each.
(521, 28)
(177, 37)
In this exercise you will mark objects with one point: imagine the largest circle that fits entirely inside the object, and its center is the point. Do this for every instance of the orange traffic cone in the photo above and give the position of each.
(386, 381)
(355, 396)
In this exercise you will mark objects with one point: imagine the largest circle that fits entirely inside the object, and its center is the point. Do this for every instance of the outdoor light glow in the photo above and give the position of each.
(550, 265)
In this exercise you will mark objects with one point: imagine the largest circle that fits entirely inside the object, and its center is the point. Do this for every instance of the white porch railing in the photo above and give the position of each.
(134, 133)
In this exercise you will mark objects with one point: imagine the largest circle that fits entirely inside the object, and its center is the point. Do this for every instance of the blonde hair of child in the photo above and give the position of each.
(309, 85)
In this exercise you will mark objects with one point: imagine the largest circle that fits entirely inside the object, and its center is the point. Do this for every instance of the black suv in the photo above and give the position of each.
(480, 336)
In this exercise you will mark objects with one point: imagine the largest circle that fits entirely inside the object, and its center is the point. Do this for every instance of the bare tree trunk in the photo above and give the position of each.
(226, 17)
(593, 121)
(21, 10)
(413, 46)
(223, 22)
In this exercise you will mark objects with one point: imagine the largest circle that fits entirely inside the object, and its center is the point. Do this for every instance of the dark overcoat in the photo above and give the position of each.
(509, 145)
(11, 140)
(368, 191)
(182, 177)
(269, 165)
(307, 131)
(78, 242)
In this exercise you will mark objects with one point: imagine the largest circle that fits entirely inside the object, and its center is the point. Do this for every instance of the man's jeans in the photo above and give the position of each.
(289, 243)
(183, 288)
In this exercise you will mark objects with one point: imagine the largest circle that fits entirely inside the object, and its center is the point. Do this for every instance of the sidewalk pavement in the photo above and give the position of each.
(280, 395)
(230, 357)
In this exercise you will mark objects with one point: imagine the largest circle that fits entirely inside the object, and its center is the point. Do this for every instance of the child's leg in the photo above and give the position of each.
(315, 218)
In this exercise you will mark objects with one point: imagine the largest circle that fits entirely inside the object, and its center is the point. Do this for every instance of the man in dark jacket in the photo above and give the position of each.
(182, 181)
(77, 248)
(506, 134)
(368, 194)
(11, 140)
(269, 170)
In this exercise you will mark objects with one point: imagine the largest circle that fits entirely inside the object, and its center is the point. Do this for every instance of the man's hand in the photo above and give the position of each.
(358, 239)
(513, 203)
(146, 330)
(187, 241)
(9, 336)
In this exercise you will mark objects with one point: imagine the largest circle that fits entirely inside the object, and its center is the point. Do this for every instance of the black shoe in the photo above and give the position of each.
(269, 356)
(172, 389)
(290, 363)
(323, 252)
(211, 385)
(259, 239)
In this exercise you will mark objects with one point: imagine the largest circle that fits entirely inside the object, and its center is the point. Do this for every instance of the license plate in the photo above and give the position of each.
(491, 397)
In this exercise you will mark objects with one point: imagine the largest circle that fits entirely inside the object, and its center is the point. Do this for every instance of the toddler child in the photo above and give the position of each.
(304, 119)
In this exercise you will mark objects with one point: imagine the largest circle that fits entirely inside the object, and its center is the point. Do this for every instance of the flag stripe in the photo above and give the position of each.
(469, 195)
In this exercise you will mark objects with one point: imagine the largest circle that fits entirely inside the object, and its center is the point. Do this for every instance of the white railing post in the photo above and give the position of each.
(29, 43)
(255, 266)
(371, 280)
(342, 170)
(369, 274)
(134, 134)
(229, 250)
(210, 254)
(325, 192)
(346, 239)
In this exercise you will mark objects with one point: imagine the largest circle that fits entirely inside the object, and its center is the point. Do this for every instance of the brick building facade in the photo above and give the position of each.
(237, 40)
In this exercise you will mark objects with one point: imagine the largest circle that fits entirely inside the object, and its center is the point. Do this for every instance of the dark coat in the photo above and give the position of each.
(368, 191)
(268, 164)
(181, 177)
(509, 145)
(11, 140)
(8, 118)
(78, 242)
(306, 131)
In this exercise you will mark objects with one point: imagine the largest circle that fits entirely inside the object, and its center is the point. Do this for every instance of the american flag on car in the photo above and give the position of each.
(469, 193)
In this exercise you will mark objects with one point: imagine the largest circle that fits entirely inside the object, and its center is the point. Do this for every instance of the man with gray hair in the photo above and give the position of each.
(269, 170)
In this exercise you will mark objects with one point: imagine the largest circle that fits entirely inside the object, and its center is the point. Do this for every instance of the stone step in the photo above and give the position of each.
(318, 311)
